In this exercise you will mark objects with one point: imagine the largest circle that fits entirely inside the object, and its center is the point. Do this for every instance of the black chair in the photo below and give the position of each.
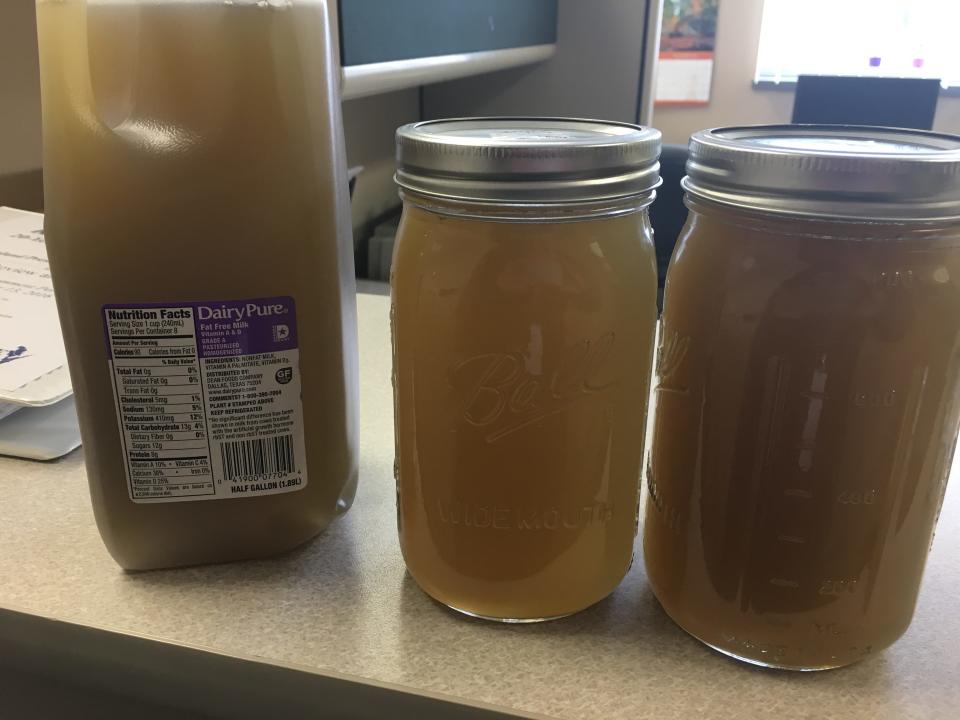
(668, 214)
(877, 101)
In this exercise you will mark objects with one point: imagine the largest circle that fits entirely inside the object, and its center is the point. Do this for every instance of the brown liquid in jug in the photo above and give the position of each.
(192, 153)
(517, 499)
(806, 418)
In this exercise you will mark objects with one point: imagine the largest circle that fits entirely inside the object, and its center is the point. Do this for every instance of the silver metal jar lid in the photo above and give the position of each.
(828, 171)
(527, 160)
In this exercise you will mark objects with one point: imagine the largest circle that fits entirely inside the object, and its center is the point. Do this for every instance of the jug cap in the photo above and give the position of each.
(841, 171)
(527, 160)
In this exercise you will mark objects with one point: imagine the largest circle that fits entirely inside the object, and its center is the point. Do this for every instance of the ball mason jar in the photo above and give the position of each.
(807, 386)
(524, 305)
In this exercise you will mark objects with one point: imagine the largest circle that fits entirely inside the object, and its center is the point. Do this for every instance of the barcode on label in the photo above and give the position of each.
(257, 457)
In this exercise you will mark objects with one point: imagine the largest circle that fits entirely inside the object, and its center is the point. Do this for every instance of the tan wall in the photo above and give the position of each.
(19, 88)
(733, 98)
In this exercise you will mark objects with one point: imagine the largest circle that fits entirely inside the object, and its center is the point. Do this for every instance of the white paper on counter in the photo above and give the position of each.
(8, 409)
(33, 362)
(41, 433)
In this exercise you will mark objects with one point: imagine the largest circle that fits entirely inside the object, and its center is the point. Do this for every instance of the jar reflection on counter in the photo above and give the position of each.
(808, 380)
(523, 339)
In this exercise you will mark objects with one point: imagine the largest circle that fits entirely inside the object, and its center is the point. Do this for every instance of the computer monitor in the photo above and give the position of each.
(878, 101)
(377, 31)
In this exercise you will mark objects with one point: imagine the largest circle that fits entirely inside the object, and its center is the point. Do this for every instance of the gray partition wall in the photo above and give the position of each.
(598, 70)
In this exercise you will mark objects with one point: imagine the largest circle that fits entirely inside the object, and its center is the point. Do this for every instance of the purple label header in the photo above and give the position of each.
(236, 327)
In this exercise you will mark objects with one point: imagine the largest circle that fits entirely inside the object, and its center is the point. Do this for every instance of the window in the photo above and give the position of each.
(893, 38)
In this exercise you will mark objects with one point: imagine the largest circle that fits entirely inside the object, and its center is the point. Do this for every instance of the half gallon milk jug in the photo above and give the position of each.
(197, 229)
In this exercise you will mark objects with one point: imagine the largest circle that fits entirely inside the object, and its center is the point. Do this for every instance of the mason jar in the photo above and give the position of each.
(807, 386)
(524, 304)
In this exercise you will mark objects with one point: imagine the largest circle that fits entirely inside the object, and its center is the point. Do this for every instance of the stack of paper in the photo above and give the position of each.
(38, 419)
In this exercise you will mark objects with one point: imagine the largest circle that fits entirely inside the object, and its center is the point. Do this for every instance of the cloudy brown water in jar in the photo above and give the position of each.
(807, 411)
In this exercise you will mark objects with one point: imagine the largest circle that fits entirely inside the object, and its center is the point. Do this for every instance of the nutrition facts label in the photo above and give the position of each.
(159, 391)
(208, 398)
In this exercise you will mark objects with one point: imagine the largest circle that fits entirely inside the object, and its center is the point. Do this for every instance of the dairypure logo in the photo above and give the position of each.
(8, 356)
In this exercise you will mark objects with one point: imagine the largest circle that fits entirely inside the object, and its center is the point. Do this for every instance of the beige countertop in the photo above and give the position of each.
(341, 611)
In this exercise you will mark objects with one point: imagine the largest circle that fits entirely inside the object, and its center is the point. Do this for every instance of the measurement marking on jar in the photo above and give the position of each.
(897, 278)
(668, 389)
(784, 582)
(670, 356)
(854, 651)
(829, 628)
(858, 497)
(875, 400)
(816, 397)
(670, 515)
(795, 539)
(763, 648)
(837, 587)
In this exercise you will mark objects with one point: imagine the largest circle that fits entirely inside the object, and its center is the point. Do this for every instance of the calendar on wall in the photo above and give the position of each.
(687, 44)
